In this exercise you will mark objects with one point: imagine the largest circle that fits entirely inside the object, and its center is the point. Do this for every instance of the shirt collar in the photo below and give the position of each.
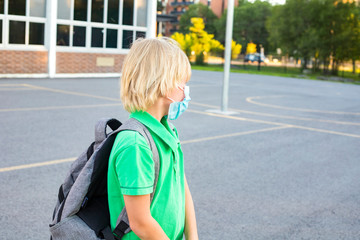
(161, 129)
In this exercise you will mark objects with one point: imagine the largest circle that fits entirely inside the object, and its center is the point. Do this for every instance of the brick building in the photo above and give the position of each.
(218, 6)
(175, 8)
(59, 38)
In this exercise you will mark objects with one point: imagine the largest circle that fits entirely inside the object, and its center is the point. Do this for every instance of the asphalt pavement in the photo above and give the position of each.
(284, 165)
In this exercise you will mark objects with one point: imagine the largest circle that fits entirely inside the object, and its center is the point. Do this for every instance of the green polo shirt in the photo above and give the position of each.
(131, 172)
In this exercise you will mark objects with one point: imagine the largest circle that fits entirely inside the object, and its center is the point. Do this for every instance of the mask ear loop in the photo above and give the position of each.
(170, 99)
(182, 89)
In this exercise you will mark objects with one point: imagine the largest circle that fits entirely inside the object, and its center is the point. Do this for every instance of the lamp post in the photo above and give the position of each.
(229, 30)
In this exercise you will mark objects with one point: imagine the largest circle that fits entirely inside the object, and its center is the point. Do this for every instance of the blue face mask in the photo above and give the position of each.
(177, 108)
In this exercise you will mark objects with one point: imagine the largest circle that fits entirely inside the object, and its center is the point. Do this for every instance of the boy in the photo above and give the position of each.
(153, 90)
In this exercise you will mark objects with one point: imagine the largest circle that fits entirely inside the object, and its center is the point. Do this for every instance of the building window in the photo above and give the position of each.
(1, 31)
(63, 9)
(113, 11)
(97, 37)
(111, 38)
(1, 6)
(140, 35)
(112, 24)
(127, 39)
(128, 12)
(141, 12)
(1, 21)
(79, 35)
(101, 26)
(17, 7)
(17, 32)
(37, 8)
(63, 32)
(80, 10)
(97, 11)
(36, 36)
(26, 21)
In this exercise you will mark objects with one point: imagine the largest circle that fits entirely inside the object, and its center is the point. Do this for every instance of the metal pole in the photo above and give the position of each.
(151, 19)
(229, 30)
(51, 15)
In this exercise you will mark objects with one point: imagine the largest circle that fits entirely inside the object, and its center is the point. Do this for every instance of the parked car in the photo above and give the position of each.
(255, 57)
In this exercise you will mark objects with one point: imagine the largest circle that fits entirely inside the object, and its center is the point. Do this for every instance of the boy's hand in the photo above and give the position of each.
(190, 219)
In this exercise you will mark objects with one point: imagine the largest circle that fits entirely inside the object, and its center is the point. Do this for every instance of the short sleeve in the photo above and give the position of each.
(135, 166)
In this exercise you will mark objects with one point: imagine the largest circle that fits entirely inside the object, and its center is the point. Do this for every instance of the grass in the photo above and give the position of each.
(274, 71)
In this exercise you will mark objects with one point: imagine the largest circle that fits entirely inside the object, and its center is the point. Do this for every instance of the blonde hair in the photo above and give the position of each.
(152, 68)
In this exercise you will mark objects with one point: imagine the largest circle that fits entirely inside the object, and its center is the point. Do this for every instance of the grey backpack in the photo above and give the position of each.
(82, 210)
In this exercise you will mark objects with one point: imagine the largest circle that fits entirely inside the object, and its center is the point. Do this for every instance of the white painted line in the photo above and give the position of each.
(15, 89)
(237, 118)
(72, 93)
(32, 165)
(250, 100)
(298, 118)
(26, 166)
(276, 123)
(280, 116)
(233, 135)
(59, 107)
(325, 131)
(11, 85)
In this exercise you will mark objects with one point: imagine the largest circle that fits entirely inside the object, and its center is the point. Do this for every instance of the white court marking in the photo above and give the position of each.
(11, 85)
(278, 115)
(59, 107)
(234, 134)
(40, 164)
(250, 100)
(15, 89)
(276, 123)
(65, 160)
(71, 93)
(245, 119)
(279, 125)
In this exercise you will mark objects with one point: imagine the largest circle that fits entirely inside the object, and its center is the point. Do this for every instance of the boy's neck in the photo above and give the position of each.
(159, 109)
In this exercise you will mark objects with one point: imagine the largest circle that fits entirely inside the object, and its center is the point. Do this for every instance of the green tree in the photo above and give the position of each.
(354, 39)
(198, 10)
(198, 41)
(348, 35)
(249, 24)
(335, 32)
(273, 24)
(327, 30)
(290, 29)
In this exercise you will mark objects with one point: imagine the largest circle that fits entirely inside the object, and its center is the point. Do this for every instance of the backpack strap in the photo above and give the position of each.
(100, 128)
(122, 224)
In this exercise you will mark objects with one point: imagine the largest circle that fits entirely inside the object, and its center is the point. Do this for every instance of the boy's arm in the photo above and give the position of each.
(190, 219)
(141, 221)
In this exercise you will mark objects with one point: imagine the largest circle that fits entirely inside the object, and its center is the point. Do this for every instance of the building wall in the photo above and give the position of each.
(176, 8)
(67, 62)
(23, 62)
(35, 62)
(80, 37)
(219, 6)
